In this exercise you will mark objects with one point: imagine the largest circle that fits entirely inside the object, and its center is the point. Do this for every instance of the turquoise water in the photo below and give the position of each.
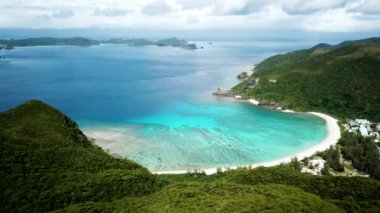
(217, 134)
(154, 105)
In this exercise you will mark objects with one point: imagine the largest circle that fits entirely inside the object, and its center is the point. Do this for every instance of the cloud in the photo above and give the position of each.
(246, 7)
(310, 6)
(236, 7)
(194, 4)
(260, 15)
(43, 17)
(192, 20)
(63, 13)
(371, 7)
(341, 19)
(157, 8)
(111, 12)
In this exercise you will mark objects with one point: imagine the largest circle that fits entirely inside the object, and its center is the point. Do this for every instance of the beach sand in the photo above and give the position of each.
(333, 135)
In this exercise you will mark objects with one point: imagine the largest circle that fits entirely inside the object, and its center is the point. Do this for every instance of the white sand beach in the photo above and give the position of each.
(333, 135)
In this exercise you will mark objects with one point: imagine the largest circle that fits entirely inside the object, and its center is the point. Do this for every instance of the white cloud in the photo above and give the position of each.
(343, 19)
(370, 6)
(157, 8)
(111, 12)
(302, 15)
(191, 4)
(63, 13)
(310, 6)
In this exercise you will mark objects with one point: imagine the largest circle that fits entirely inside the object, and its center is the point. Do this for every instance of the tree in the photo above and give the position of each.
(325, 170)
(296, 164)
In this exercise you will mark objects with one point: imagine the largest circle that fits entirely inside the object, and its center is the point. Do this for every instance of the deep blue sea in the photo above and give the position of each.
(154, 104)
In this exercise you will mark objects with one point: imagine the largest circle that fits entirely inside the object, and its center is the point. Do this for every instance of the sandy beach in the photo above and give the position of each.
(333, 135)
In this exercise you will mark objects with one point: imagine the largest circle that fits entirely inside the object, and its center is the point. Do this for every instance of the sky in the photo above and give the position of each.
(308, 16)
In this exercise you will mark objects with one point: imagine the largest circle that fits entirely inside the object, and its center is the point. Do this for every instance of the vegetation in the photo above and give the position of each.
(171, 42)
(131, 42)
(218, 197)
(342, 80)
(333, 159)
(48, 164)
(362, 152)
(295, 164)
(325, 169)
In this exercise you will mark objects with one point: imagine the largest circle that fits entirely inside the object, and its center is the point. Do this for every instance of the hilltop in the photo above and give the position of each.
(48, 164)
(342, 80)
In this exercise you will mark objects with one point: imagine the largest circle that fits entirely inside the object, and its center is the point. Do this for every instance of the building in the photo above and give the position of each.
(363, 130)
(363, 127)
(315, 166)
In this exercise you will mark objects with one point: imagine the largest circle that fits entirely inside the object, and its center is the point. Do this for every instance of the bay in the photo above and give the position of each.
(154, 104)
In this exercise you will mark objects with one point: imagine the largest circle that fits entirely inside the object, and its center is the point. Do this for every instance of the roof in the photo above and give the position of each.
(363, 130)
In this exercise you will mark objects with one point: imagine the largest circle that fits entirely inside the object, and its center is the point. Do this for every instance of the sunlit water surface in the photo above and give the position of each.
(154, 104)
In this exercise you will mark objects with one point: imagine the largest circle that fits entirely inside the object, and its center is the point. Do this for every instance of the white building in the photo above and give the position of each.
(317, 165)
(363, 130)
(362, 121)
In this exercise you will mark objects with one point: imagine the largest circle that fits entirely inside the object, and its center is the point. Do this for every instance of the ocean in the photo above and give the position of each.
(154, 105)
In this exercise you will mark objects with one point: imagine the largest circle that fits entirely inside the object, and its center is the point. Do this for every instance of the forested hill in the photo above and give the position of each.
(47, 164)
(342, 80)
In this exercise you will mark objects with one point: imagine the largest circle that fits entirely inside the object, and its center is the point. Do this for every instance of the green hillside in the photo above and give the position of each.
(342, 80)
(47, 164)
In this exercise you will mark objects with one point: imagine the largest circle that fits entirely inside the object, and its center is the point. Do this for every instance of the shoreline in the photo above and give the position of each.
(333, 135)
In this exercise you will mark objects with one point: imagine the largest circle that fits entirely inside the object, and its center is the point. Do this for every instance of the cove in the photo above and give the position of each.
(191, 136)
(154, 105)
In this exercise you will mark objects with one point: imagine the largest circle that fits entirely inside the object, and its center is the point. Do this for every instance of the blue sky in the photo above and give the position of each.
(308, 16)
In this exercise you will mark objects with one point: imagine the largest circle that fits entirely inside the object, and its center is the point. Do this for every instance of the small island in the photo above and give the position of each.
(242, 76)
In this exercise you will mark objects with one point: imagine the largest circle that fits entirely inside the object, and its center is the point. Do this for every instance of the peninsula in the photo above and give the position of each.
(342, 80)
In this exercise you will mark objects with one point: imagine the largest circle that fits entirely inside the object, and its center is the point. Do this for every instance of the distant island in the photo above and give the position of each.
(173, 42)
(85, 42)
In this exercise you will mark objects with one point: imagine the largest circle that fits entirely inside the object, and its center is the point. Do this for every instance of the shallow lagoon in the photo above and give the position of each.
(154, 105)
